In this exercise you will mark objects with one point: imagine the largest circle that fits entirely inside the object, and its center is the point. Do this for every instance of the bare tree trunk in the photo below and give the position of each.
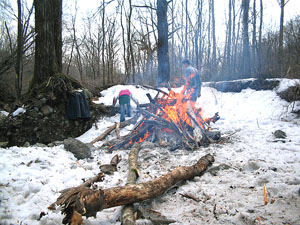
(245, 70)
(103, 44)
(254, 46)
(130, 44)
(173, 63)
(186, 39)
(73, 40)
(260, 37)
(229, 39)
(234, 42)
(48, 44)
(19, 59)
(78, 58)
(83, 201)
(198, 35)
(126, 63)
(214, 52)
(208, 57)
(282, 4)
(162, 42)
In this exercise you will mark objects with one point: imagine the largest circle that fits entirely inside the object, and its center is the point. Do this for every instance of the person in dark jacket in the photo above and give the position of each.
(192, 81)
(124, 97)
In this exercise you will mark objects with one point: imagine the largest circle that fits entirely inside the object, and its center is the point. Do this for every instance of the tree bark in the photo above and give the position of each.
(87, 202)
(214, 51)
(48, 44)
(254, 43)
(198, 35)
(19, 59)
(229, 39)
(260, 38)
(280, 47)
(162, 43)
(133, 174)
(246, 48)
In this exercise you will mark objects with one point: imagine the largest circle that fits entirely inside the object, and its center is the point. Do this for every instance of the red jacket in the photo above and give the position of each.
(125, 92)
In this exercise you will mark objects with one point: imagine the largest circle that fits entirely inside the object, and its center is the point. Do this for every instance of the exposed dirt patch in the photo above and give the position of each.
(239, 85)
(291, 94)
(45, 118)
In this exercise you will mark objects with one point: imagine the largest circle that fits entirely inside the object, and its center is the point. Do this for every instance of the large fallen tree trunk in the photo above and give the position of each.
(87, 202)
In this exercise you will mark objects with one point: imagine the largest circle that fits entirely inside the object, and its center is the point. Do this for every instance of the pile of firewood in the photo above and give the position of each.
(169, 119)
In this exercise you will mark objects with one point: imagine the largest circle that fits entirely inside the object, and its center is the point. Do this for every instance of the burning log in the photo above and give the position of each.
(87, 202)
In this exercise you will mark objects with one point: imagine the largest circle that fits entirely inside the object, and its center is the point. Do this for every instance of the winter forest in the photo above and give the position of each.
(136, 112)
(145, 41)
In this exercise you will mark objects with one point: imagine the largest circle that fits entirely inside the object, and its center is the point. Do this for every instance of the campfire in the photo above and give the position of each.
(169, 119)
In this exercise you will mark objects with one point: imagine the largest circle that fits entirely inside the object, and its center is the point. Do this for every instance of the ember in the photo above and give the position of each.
(172, 119)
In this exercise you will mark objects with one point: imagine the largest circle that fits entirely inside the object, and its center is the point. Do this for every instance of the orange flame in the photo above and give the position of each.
(147, 134)
(177, 112)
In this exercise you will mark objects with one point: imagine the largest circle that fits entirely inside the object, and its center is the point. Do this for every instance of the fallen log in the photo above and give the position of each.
(87, 202)
(133, 174)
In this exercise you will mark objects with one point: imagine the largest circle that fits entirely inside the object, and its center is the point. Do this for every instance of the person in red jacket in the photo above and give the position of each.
(124, 101)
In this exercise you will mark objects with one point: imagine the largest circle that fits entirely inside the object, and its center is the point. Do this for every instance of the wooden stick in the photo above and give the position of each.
(191, 197)
(156, 89)
(111, 128)
(133, 174)
(118, 130)
(202, 131)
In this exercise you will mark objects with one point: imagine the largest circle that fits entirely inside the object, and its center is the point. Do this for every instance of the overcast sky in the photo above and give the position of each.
(271, 8)
(271, 12)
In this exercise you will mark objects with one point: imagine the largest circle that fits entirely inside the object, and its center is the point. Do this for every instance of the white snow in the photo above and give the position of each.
(4, 113)
(18, 111)
(230, 192)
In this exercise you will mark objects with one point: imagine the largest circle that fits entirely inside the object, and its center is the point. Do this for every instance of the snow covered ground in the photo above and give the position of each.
(230, 192)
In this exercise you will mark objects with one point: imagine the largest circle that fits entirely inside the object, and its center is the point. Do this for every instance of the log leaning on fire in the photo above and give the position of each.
(87, 202)
(115, 126)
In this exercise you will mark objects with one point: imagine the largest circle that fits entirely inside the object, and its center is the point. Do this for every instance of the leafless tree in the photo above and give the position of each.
(198, 35)
(214, 51)
(260, 37)
(162, 42)
(245, 67)
(254, 42)
(19, 50)
(282, 4)
(227, 51)
(48, 44)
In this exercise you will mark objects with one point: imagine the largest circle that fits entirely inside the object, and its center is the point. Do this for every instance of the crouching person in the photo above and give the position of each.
(124, 98)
